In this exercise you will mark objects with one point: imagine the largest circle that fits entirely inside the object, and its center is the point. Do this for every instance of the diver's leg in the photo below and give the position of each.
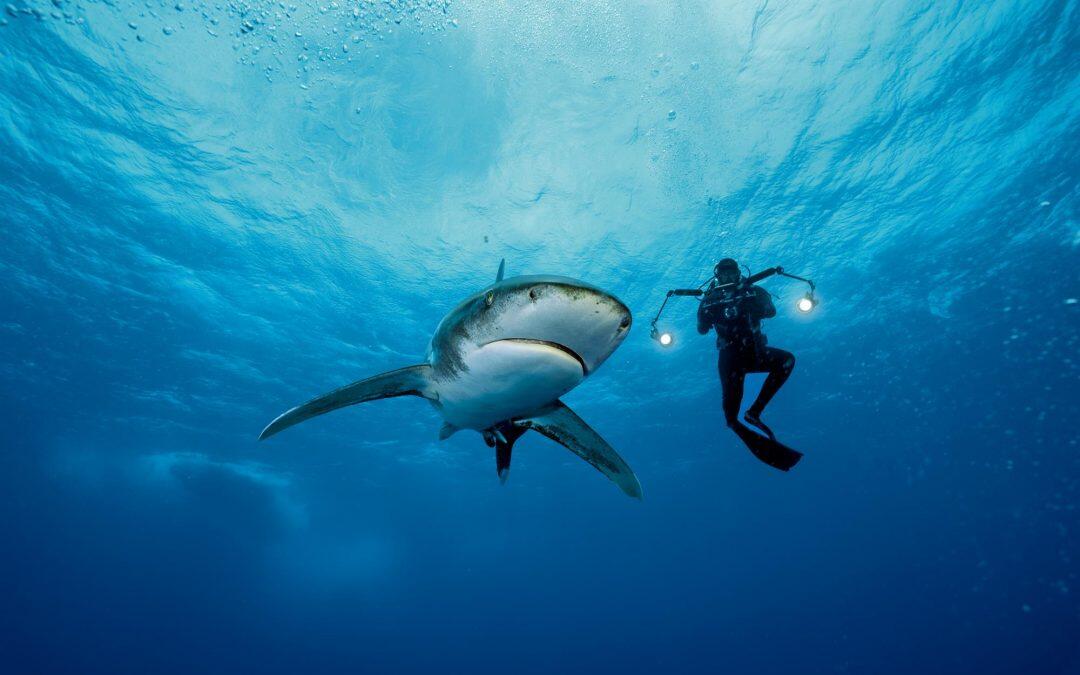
(731, 386)
(778, 364)
(768, 450)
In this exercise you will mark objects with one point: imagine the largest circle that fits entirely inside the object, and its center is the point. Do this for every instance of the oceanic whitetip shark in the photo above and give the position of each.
(499, 362)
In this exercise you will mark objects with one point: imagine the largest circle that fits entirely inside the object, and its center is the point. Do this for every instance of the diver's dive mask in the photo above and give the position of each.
(727, 278)
(726, 272)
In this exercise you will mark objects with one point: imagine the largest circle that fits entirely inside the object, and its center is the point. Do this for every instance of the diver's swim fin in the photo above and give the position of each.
(755, 421)
(562, 425)
(769, 450)
(411, 381)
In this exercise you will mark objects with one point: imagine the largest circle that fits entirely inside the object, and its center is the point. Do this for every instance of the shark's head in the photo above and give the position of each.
(578, 318)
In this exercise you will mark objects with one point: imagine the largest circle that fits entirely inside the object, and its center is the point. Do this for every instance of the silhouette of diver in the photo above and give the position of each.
(735, 307)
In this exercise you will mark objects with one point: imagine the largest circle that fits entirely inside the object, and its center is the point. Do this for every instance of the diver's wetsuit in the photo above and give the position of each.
(736, 315)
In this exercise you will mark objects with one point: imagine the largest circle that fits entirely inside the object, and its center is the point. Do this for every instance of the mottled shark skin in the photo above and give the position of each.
(499, 362)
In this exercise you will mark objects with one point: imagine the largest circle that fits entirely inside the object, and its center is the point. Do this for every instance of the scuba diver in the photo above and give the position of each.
(734, 307)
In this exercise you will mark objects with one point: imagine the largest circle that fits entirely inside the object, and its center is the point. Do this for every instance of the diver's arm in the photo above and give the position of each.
(704, 320)
(764, 303)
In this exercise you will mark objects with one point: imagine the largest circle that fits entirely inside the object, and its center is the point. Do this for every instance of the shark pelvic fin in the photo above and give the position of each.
(502, 271)
(411, 381)
(447, 430)
(562, 425)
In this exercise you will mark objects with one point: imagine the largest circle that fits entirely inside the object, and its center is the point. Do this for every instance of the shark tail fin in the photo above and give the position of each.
(502, 271)
(562, 425)
(411, 381)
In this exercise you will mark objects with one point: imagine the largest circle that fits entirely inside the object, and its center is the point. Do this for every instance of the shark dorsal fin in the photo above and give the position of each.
(502, 271)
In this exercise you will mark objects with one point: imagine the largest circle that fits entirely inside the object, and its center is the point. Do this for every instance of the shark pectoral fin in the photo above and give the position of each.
(411, 381)
(562, 425)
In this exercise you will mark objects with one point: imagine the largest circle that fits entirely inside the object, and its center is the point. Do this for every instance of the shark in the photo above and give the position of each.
(499, 364)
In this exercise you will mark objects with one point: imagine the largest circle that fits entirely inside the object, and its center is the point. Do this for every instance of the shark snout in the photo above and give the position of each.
(582, 319)
(585, 319)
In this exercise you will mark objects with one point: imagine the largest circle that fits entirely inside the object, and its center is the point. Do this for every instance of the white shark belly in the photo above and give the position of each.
(507, 379)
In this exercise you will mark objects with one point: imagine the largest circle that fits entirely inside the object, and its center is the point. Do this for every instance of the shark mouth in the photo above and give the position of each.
(554, 345)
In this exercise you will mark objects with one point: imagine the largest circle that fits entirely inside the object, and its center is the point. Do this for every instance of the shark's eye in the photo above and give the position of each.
(489, 298)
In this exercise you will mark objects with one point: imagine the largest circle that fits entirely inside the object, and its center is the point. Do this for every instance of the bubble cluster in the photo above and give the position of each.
(267, 35)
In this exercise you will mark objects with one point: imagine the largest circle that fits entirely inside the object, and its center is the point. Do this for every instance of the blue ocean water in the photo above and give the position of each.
(210, 212)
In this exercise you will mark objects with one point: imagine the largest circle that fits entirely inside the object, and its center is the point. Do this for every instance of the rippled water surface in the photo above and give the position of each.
(210, 212)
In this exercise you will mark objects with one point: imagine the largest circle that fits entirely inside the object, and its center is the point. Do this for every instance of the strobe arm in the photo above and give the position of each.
(779, 271)
(693, 292)
(806, 304)
(765, 274)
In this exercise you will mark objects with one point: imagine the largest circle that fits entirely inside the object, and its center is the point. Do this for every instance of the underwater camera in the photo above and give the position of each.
(732, 295)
